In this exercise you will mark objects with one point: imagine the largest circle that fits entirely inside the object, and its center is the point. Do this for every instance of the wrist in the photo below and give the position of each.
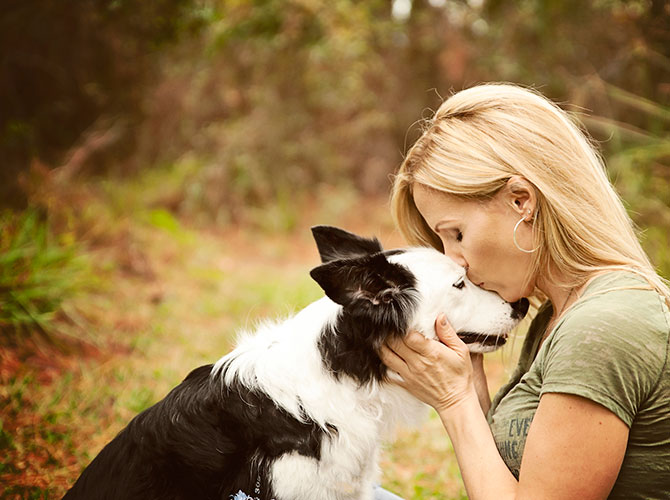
(459, 403)
(459, 418)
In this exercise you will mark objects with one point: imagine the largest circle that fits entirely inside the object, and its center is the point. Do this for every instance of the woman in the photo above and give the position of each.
(507, 185)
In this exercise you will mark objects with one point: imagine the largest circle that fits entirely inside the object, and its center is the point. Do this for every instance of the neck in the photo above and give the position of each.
(561, 291)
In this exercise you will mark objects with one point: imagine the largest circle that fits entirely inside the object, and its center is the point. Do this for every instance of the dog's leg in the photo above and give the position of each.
(299, 477)
(303, 478)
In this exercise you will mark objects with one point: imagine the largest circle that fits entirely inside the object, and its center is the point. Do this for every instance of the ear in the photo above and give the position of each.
(371, 279)
(334, 243)
(522, 196)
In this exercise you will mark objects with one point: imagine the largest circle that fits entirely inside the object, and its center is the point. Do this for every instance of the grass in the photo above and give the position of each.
(38, 272)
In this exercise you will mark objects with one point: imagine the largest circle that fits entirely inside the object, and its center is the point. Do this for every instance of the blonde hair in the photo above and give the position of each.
(482, 136)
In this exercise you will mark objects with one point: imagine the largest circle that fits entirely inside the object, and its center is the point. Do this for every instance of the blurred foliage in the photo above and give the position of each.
(72, 67)
(37, 273)
(639, 166)
(273, 96)
(284, 94)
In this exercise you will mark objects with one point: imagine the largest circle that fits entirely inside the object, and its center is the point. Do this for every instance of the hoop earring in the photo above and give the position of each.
(516, 244)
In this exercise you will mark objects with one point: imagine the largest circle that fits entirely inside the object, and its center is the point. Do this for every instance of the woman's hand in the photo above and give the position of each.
(439, 374)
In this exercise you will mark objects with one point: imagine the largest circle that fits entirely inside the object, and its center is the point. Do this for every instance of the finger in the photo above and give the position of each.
(418, 343)
(397, 368)
(392, 360)
(447, 334)
(396, 344)
(409, 345)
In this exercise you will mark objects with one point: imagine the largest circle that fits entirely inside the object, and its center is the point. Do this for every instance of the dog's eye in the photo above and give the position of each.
(460, 283)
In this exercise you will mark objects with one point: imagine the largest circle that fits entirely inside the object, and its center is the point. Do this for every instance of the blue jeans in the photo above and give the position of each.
(382, 494)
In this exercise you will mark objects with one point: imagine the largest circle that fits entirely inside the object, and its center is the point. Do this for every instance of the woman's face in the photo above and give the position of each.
(478, 236)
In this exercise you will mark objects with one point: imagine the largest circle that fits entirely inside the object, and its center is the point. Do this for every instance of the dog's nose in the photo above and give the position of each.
(520, 308)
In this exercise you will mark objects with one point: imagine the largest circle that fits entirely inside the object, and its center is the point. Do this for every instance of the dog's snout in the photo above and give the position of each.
(520, 308)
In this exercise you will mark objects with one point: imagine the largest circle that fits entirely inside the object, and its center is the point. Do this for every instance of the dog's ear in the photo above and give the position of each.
(334, 243)
(371, 280)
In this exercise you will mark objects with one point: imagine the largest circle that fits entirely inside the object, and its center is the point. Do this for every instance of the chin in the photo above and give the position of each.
(512, 297)
(516, 294)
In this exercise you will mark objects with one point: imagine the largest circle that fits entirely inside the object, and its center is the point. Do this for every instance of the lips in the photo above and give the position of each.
(480, 284)
(482, 338)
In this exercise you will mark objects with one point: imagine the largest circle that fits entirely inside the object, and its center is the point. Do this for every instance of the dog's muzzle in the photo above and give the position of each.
(482, 338)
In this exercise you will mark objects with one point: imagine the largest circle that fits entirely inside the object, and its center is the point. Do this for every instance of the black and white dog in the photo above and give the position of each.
(297, 411)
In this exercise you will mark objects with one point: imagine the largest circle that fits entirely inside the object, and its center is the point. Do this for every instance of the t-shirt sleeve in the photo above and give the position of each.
(606, 352)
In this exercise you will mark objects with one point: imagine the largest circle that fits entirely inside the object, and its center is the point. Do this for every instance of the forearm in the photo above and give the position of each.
(484, 473)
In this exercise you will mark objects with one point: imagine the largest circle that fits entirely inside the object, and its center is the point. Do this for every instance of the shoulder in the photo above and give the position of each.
(616, 307)
(612, 347)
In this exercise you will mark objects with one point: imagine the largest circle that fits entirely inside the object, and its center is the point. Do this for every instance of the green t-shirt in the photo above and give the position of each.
(612, 348)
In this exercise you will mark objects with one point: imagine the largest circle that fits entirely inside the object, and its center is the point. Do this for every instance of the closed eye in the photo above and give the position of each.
(460, 283)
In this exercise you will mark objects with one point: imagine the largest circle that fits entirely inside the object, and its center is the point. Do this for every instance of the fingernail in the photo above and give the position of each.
(443, 320)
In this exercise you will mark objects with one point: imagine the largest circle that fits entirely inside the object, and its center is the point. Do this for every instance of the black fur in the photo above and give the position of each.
(204, 440)
(334, 243)
(376, 296)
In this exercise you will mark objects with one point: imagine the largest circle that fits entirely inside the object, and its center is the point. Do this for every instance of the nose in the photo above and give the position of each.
(520, 308)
